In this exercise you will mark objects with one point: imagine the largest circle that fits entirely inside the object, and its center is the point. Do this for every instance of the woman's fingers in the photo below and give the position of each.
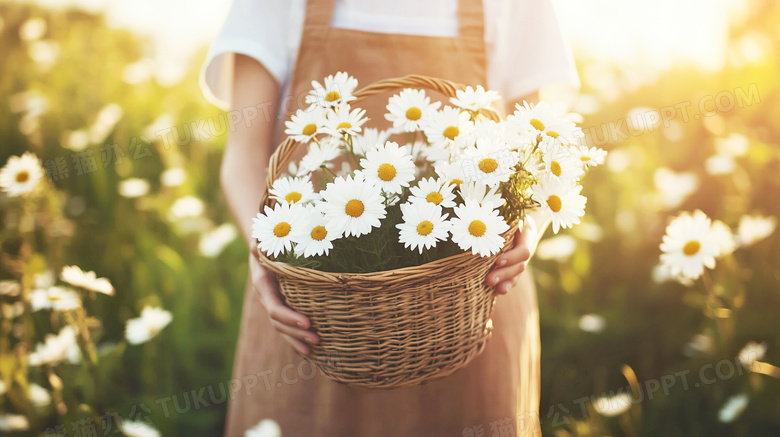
(519, 253)
(298, 345)
(293, 326)
(280, 312)
(510, 264)
(504, 278)
(296, 333)
(266, 285)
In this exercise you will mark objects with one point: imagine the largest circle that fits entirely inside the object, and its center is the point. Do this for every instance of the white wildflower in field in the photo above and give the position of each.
(21, 174)
(144, 328)
(689, 245)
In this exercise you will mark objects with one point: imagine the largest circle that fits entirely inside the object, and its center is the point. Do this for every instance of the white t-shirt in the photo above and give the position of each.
(526, 48)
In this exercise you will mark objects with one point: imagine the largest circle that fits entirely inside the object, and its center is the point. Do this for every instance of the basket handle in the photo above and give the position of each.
(285, 150)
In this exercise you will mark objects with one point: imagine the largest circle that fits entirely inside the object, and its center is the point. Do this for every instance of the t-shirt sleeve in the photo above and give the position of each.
(531, 50)
(255, 28)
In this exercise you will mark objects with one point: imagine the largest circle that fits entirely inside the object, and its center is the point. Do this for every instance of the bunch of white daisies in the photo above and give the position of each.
(451, 180)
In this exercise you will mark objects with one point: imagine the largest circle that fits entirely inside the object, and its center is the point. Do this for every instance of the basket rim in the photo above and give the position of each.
(407, 274)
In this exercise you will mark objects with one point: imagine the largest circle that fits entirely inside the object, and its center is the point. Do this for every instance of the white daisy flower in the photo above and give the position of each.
(562, 201)
(368, 139)
(133, 187)
(733, 408)
(434, 191)
(390, 167)
(144, 328)
(56, 349)
(410, 109)
(345, 122)
(475, 99)
(73, 275)
(478, 228)
(38, 395)
(10, 287)
(723, 237)
(133, 428)
(589, 157)
(265, 428)
(611, 406)
(445, 126)
(173, 177)
(451, 172)
(54, 298)
(751, 353)
(315, 236)
(481, 194)
(21, 174)
(560, 163)
(433, 154)
(273, 228)
(689, 245)
(592, 323)
(558, 248)
(335, 91)
(353, 206)
(423, 225)
(186, 207)
(754, 228)
(14, 422)
(318, 155)
(306, 124)
(213, 242)
(293, 190)
(543, 119)
(490, 162)
(674, 187)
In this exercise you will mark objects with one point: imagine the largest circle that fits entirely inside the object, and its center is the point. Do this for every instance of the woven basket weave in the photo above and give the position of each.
(392, 328)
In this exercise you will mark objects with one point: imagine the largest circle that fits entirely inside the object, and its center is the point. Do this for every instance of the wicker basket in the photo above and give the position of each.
(392, 328)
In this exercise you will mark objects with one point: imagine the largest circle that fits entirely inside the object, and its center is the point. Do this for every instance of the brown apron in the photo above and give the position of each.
(498, 392)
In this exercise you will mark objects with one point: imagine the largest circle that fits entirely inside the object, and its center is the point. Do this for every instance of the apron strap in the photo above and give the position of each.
(319, 13)
(471, 22)
(471, 18)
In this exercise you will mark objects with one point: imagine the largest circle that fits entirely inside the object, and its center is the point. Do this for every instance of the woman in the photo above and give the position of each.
(266, 56)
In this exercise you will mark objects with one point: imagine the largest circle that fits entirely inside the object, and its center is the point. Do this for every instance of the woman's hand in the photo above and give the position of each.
(293, 326)
(509, 265)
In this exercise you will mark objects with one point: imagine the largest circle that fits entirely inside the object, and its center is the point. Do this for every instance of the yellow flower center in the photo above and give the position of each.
(451, 132)
(310, 129)
(488, 165)
(344, 125)
(318, 233)
(413, 113)
(22, 177)
(354, 208)
(552, 134)
(584, 158)
(554, 202)
(537, 124)
(332, 96)
(477, 228)
(424, 228)
(555, 168)
(53, 297)
(293, 197)
(434, 197)
(386, 172)
(281, 229)
(456, 181)
(691, 248)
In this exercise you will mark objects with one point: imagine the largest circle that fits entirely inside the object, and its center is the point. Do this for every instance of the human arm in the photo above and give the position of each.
(242, 178)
